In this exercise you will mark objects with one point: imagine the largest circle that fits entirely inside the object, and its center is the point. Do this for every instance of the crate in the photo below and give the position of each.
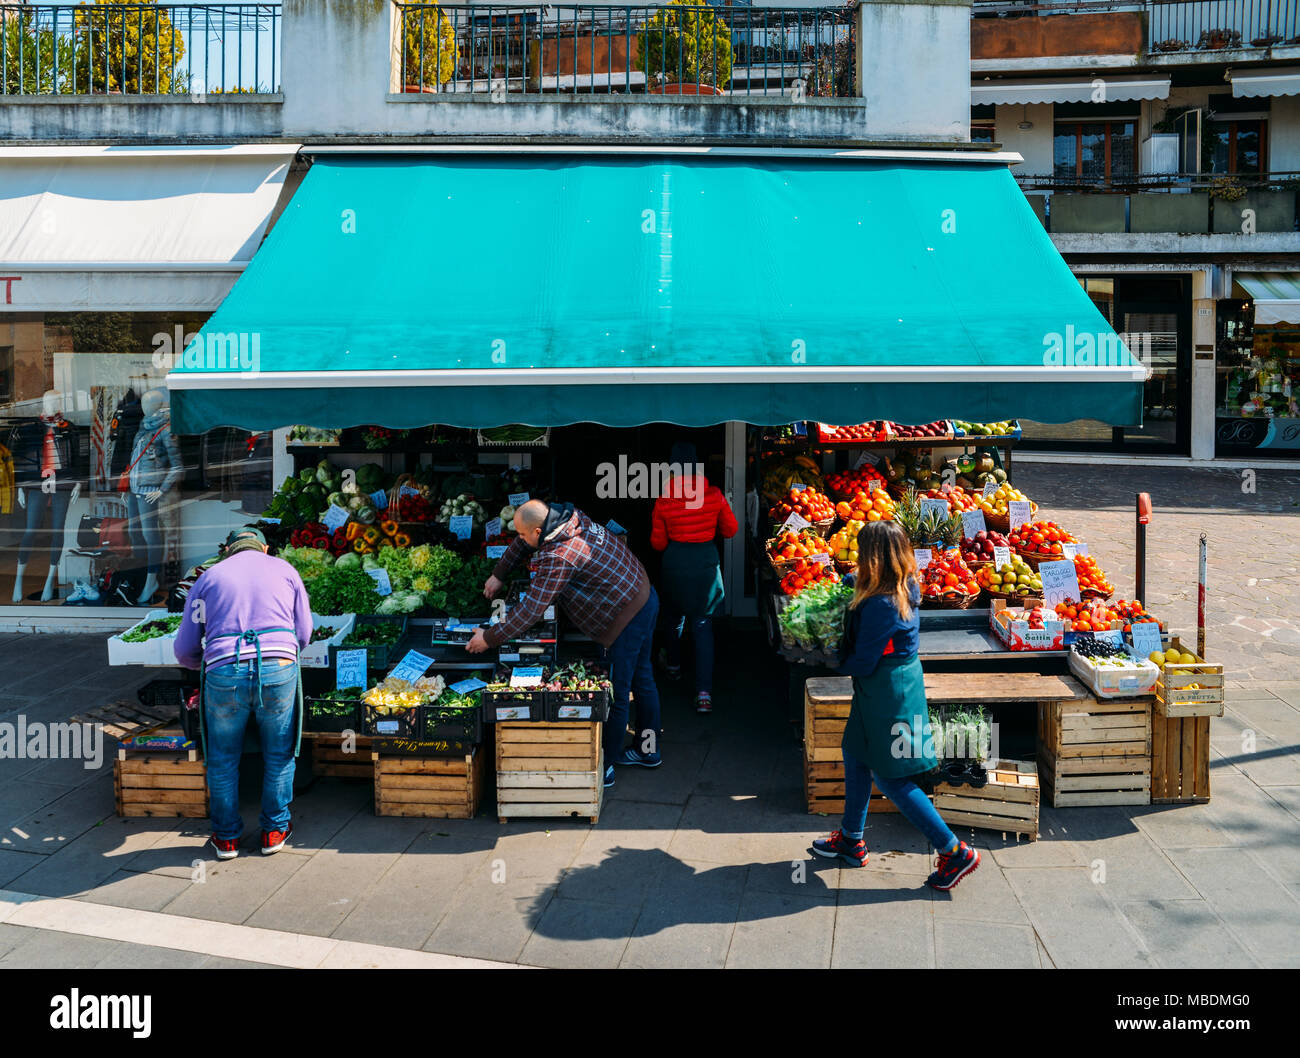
(440, 722)
(823, 773)
(405, 724)
(1180, 760)
(519, 705)
(317, 655)
(330, 724)
(1175, 697)
(329, 760)
(1135, 682)
(1007, 803)
(426, 787)
(581, 706)
(381, 655)
(548, 770)
(1093, 752)
(160, 784)
(157, 651)
(824, 789)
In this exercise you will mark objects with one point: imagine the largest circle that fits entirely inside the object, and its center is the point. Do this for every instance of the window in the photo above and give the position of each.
(6, 372)
(981, 134)
(1095, 151)
(1236, 146)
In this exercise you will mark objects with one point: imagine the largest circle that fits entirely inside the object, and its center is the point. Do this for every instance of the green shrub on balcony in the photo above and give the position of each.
(687, 43)
(429, 49)
(127, 50)
(29, 55)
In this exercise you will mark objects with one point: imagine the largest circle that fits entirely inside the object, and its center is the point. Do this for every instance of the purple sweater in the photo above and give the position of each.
(247, 591)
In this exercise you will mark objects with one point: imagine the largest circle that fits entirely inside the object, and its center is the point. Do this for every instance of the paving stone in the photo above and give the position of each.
(984, 895)
(176, 850)
(539, 848)
(580, 934)
(63, 820)
(983, 946)
(718, 829)
(12, 936)
(49, 950)
(512, 908)
(217, 962)
(18, 800)
(1180, 826)
(671, 783)
(1185, 934)
(232, 890)
(1125, 859)
(14, 865)
(322, 892)
(687, 918)
(782, 931)
(145, 892)
(883, 922)
(1272, 717)
(144, 957)
(1288, 797)
(99, 853)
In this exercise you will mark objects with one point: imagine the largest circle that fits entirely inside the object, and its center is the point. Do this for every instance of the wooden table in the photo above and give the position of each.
(965, 688)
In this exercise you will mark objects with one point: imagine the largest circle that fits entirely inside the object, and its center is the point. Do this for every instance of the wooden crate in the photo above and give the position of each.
(1095, 752)
(1180, 760)
(823, 727)
(824, 785)
(431, 787)
(546, 769)
(160, 784)
(328, 758)
(1007, 803)
(1175, 696)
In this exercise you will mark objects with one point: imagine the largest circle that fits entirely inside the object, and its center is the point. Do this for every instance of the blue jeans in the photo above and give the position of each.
(914, 805)
(702, 640)
(230, 697)
(633, 670)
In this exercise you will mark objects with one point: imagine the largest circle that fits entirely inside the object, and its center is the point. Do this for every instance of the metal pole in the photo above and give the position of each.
(1200, 603)
(1140, 557)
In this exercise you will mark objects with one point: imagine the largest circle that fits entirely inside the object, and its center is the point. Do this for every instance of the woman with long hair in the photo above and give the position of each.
(887, 739)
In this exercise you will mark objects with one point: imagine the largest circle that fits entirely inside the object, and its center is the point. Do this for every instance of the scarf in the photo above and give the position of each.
(50, 462)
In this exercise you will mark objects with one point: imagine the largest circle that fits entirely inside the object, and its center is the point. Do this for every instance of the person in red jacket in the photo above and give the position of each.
(686, 523)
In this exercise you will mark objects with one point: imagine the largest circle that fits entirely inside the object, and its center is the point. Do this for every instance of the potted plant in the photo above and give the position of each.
(685, 49)
(430, 53)
(1217, 39)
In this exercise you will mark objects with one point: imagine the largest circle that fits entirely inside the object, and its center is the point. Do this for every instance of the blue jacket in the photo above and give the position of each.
(871, 626)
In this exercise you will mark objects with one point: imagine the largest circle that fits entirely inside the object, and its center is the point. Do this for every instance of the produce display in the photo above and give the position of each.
(807, 573)
(947, 578)
(780, 474)
(1043, 539)
(323, 632)
(577, 676)
(985, 429)
(914, 468)
(876, 430)
(376, 634)
(334, 703)
(876, 506)
(928, 529)
(163, 626)
(1088, 617)
(1090, 576)
(792, 544)
(811, 504)
(979, 548)
(393, 695)
(1011, 578)
(464, 504)
(1171, 657)
(1133, 613)
(957, 498)
(335, 591)
(843, 543)
(938, 428)
(847, 483)
(976, 469)
(412, 507)
(998, 502)
(813, 621)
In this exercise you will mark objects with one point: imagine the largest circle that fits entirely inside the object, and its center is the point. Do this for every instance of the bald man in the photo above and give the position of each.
(604, 590)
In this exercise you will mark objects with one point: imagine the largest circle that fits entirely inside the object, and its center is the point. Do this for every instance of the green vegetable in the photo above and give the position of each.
(349, 560)
(370, 478)
(307, 475)
(334, 703)
(379, 633)
(338, 591)
(310, 562)
(813, 620)
(163, 626)
(401, 602)
(338, 499)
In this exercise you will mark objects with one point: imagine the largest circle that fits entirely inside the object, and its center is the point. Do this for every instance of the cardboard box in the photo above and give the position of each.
(1017, 635)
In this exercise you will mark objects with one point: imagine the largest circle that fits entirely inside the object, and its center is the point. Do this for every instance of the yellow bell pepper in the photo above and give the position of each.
(401, 540)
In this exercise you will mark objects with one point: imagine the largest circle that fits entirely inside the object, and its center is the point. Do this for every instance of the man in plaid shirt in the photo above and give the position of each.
(603, 588)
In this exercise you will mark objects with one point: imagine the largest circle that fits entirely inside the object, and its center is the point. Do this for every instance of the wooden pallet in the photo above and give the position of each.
(328, 759)
(430, 787)
(1175, 697)
(824, 788)
(549, 770)
(124, 718)
(1095, 752)
(1180, 760)
(1007, 803)
(148, 783)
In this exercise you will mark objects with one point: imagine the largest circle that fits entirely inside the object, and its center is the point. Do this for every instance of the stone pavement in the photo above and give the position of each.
(704, 862)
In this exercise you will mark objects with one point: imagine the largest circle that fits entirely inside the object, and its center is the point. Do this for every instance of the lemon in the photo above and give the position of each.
(1173, 657)
(1157, 657)
(1188, 659)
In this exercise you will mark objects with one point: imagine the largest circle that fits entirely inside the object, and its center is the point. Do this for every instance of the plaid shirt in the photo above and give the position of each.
(591, 572)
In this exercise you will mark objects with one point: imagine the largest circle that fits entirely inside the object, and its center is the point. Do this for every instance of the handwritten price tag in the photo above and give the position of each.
(516, 499)
(1001, 556)
(411, 667)
(406, 490)
(820, 559)
(1146, 638)
(380, 499)
(923, 556)
(796, 486)
(865, 458)
(496, 550)
(493, 528)
(990, 487)
(972, 522)
(795, 522)
(461, 525)
(382, 584)
(1113, 636)
(1019, 512)
(934, 503)
(1059, 582)
(350, 669)
(335, 517)
(530, 676)
(1069, 550)
(468, 686)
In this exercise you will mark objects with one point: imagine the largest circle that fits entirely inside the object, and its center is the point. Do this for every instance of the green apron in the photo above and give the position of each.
(692, 579)
(254, 638)
(893, 694)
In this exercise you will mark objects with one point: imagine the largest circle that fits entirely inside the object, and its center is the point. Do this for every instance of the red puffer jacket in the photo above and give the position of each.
(692, 512)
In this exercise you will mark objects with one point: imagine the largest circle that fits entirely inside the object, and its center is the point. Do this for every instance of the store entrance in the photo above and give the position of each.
(592, 460)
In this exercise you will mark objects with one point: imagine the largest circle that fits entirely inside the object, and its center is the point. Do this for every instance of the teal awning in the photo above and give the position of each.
(482, 289)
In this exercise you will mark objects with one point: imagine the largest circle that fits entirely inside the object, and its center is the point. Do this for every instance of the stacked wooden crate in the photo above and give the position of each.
(549, 769)
(1095, 752)
(1007, 803)
(340, 756)
(826, 711)
(432, 787)
(159, 783)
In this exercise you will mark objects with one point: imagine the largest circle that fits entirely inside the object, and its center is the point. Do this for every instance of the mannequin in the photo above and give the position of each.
(45, 453)
(155, 469)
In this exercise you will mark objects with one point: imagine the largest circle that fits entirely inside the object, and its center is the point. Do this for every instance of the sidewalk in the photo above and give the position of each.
(704, 862)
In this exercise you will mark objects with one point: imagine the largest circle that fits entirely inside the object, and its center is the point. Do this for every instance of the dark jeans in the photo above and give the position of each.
(702, 641)
(911, 801)
(38, 503)
(633, 670)
(145, 532)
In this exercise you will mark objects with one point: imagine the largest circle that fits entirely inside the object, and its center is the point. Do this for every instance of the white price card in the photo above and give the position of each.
(468, 686)
(335, 517)
(529, 676)
(411, 667)
(382, 584)
(1001, 556)
(797, 486)
(493, 528)
(990, 487)
(865, 458)
(516, 499)
(923, 556)
(1080, 548)
(1069, 550)
(461, 525)
(820, 559)
(934, 503)
(1019, 512)
(1060, 582)
(1146, 637)
(1113, 636)
(496, 550)
(795, 522)
(972, 522)
(350, 669)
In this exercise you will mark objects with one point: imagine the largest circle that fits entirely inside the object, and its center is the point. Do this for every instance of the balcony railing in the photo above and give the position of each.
(139, 49)
(1181, 25)
(669, 50)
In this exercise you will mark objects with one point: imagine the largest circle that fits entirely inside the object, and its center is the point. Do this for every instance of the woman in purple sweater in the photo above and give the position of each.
(245, 620)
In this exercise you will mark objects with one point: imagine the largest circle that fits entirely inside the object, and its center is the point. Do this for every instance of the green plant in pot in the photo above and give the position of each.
(685, 44)
(429, 50)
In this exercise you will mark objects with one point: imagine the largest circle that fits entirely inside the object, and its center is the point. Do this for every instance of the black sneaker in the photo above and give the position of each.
(953, 867)
(644, 760)
(837, 846)
(609, 776)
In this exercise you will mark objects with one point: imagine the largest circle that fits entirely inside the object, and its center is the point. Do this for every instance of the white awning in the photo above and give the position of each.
(1276, 82)
(132, 228)
(1276, 294)
(1069, 90)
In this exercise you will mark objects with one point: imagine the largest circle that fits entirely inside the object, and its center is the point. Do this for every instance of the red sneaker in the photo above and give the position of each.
(273, 840)
(226, 848)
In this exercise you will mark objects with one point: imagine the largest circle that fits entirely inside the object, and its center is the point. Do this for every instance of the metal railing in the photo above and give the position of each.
(139, 49)
(1222, 185)
(1181, 25)
(660, 49)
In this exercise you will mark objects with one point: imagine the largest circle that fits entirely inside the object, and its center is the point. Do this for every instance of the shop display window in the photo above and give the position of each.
(1258, 383)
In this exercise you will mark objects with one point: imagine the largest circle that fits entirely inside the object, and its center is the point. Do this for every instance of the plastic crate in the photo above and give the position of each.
(1132, 682)
(582, 706)
(453, 725)
(519, 704)
(317, 655)
(156, 651)
(333, 723)
(381, 655)
(406, 724)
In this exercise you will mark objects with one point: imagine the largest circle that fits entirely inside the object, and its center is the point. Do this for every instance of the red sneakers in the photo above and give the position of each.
(226, 848)
(852, 851)
(953, 867)
(273, 840)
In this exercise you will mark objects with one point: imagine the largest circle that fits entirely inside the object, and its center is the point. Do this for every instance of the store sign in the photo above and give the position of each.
(411, 667)
(972, 523)
(1146, 638)
(350, 669)
(1019, 512)
(382, 584)
(335, 517)
(461, 526)
(923, 556)
(1060, 582)
(1001, 556)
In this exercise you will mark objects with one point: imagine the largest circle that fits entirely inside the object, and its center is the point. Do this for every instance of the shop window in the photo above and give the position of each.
(1237, 147)
(982, 134)
(6, 372)
(1258, 382)
(1095, 151)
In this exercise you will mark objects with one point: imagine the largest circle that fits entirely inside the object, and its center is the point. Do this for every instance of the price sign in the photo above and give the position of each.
(972, 522)
(934, 503)
(800, 429)
(795, 522)
(1113, 636)
(796, 486)
(865, 458)
(406, 490)
(380, 499)
(493, 528)
(271, 521)
(468, 686)
(334, 517)
(1001, 556)
(461, 525)
(1019, 512)
(1146, 637)
(923, 556)
(526, 676)
(820, 559)
(516, 499)
(1059, 582)
(382, 584)
(350, 669)
(496, 550)
(411, 667)
(615, 528)
(1079, 548)
(990, 487)
(1069, 550)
